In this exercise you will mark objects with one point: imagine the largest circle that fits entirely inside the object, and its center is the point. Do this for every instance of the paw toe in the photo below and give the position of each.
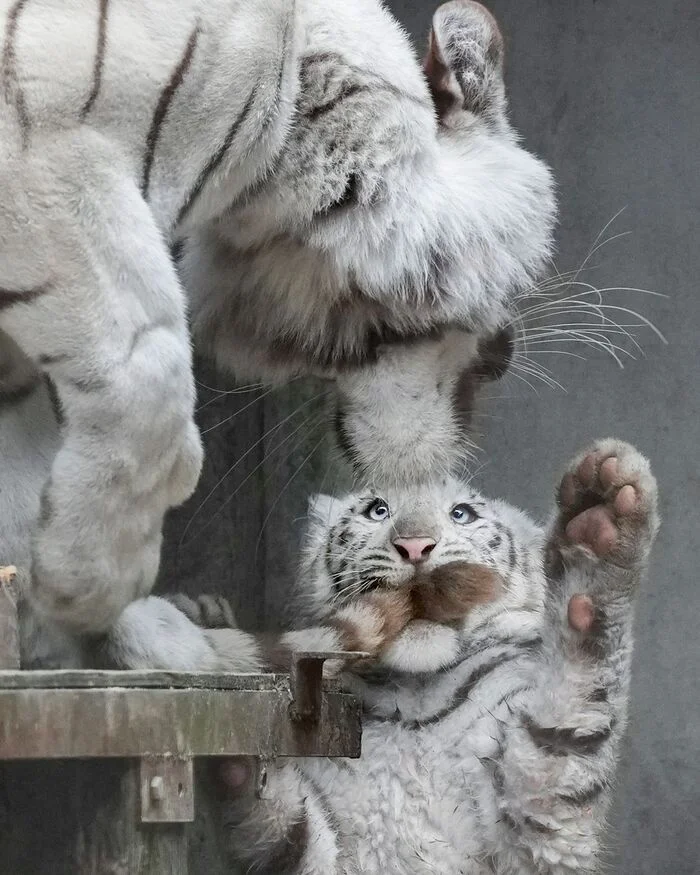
(586, 471)
(626, 500)
(609, 471)
(567, 490)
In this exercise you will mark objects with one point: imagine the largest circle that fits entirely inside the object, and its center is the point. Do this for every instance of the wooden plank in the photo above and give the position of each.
(167, 790)
(72, 679)
(122, 722)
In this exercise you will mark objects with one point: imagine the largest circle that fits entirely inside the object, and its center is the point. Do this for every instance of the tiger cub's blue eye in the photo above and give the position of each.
(463, 514)
(377, 511)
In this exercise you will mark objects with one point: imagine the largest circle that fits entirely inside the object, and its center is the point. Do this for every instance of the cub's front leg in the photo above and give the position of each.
(559, 752)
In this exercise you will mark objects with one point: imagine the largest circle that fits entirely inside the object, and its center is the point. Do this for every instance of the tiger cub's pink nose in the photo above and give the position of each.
(414, 550)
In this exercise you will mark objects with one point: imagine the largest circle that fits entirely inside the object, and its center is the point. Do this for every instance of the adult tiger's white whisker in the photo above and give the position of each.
(597, 245)
(527, 332)
(566, 352)
(587, 337)
(284, 489)
(312, 421)
(532, 335)
(311, 418)
(584, 337)
(527, 382)
(238, 412)
(270, 431)
(536, 370)
(249, 387)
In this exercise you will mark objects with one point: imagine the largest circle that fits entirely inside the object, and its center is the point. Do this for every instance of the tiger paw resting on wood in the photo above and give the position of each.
(333, 199)
(490, 736)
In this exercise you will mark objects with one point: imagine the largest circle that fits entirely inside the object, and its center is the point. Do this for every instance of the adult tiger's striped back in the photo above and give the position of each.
(331, 201)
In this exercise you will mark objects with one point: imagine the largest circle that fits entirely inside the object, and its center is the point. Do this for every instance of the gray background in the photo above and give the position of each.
(609, 94)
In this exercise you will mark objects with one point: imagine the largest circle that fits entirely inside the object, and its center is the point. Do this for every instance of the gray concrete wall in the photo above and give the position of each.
(608, 91)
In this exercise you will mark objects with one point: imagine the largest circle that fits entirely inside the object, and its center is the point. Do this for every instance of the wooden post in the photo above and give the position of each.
(111, 838)
(9, 628)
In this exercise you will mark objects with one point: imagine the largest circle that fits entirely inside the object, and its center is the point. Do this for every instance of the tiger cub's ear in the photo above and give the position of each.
(464, 62)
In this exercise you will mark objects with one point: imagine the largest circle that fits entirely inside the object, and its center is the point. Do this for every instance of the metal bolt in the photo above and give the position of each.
(157, 789)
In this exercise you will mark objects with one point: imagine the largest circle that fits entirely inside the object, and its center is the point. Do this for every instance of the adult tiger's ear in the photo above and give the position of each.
(464, 62)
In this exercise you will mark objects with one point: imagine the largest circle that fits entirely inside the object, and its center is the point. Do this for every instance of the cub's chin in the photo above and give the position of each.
(423, 646)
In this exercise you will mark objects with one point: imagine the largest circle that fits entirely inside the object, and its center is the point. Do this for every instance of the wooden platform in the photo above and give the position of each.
(80, 714)
(150, 726)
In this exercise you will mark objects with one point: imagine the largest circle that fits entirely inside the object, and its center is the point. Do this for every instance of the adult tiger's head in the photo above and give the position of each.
(385, 243)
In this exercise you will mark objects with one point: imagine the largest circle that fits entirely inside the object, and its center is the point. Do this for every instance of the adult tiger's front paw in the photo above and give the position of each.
(89, 562)
(608, 504)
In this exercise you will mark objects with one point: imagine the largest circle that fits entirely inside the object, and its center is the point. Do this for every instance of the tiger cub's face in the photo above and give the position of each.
(422, 538)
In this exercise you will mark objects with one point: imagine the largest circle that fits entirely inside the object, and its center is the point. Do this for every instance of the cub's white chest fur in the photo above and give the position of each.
(416, 802)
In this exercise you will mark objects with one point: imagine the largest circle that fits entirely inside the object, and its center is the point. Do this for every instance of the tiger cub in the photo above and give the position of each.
(497, 697)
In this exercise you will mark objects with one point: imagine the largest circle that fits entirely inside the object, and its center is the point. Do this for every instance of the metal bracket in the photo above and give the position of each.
(306, 681)
(167, 790)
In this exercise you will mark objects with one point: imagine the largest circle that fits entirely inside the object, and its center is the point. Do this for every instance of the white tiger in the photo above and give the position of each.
(497, 691)
(331, 198)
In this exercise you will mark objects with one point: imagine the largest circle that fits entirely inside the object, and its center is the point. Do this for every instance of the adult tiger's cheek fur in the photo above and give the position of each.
(388, 218)
(407, 417)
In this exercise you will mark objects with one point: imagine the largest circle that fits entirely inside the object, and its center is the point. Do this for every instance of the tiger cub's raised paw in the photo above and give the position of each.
(607, 504)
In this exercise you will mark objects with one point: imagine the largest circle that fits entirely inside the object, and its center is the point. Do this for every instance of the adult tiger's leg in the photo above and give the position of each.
(88, 290)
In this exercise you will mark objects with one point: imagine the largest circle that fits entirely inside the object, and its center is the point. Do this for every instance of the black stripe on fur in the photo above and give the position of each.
(161, 110)
(566, 741)
(99, 59)
(13, 90)
(216, 159)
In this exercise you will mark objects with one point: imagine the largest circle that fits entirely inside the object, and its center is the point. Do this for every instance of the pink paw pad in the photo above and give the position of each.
(626, 500)
(608, 471)
(586, 471)
(595, 529)
(581, 613)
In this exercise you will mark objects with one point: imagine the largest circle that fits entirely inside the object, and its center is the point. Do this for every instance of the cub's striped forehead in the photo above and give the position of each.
(438, 497)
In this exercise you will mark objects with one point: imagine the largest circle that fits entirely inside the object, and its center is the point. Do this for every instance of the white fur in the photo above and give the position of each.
(448, 221)
(452, 777)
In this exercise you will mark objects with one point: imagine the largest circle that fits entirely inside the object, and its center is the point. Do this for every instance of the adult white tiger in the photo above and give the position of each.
(333, 199)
